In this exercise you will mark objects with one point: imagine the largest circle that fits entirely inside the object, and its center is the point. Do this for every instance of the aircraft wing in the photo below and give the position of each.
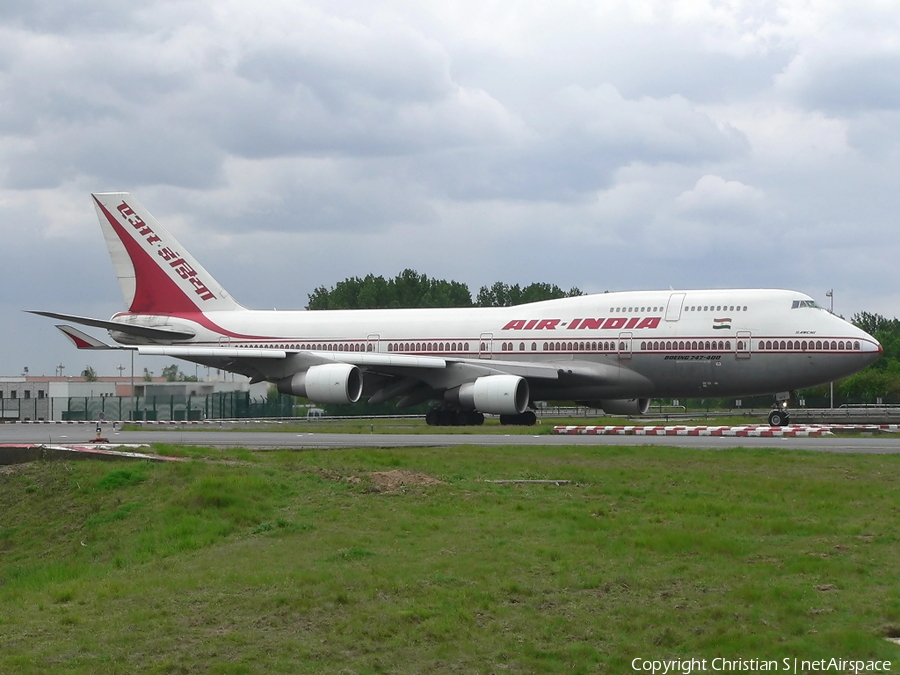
(363, 359)
(231, 353)
(409, 361)
(395, 363)
(237, 353)
(394, 374)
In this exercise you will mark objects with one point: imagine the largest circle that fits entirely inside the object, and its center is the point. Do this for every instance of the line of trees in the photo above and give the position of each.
(411, 289)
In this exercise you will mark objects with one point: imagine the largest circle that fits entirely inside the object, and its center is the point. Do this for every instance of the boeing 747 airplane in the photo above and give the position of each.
(613, 351)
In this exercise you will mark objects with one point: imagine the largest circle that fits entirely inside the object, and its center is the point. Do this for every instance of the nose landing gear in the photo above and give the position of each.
(780, 416)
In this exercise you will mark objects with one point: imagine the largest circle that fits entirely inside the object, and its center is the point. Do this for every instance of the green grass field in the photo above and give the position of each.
(326, 562)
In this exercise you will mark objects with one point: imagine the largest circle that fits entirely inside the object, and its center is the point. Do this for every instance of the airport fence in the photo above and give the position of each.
(240, 405)
(222, 405)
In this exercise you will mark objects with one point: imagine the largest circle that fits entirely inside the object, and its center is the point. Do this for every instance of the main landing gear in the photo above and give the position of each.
(525, 419)
(780, 416)
(444, 417)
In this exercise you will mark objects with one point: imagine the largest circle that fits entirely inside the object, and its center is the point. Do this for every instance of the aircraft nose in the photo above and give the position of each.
(871, 348)
(873, 345)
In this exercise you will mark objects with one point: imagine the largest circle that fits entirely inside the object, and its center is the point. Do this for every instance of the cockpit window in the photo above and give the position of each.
(805, 303)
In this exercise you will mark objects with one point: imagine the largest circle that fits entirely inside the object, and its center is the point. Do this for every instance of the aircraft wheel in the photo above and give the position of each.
(474, 418)
(778, 418)
(468, 418)
(525, 419)
(431, 417)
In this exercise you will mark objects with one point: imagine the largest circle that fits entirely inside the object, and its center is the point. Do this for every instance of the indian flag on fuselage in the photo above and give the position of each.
(722, 324)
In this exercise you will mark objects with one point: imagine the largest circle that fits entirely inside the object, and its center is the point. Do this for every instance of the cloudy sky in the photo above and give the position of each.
(609, 145)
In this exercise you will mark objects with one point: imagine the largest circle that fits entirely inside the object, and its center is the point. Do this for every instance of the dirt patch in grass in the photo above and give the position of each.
(396, 480)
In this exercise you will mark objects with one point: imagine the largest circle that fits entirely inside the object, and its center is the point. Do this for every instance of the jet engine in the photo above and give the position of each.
(621, 406)
(328, 383)
(494, 394)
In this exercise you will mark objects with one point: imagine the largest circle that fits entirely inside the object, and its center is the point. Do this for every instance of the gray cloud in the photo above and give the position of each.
(608, 146)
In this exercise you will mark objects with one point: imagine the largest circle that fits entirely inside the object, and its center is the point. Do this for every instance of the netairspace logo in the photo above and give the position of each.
(785, 665)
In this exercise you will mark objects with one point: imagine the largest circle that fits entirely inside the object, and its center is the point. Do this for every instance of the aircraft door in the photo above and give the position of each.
(485, 345)
(673, 309)
(624, 346)
(373, 341)
(742, 344)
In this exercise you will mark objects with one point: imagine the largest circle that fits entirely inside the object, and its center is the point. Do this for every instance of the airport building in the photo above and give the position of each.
(28, 398)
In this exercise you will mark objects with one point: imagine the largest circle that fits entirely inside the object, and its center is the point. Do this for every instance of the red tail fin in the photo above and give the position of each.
(156, 274)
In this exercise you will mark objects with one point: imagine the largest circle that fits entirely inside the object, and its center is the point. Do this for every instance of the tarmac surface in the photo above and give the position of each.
(79, 434)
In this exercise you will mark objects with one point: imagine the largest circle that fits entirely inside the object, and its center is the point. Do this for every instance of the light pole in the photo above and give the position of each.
(830, 295)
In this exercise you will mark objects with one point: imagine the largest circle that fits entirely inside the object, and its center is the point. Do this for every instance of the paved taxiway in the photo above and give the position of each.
(65, 434)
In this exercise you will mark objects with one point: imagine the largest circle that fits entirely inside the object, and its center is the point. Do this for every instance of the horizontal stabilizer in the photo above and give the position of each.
(156, 333)
(83, 340)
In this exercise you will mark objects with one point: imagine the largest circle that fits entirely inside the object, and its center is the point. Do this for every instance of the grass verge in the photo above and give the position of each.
(358, 561)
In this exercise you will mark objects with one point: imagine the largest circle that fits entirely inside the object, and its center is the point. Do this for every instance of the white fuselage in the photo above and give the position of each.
(613, 345)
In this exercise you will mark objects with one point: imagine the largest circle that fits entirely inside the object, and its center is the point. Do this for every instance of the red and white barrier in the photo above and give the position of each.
(750, 430)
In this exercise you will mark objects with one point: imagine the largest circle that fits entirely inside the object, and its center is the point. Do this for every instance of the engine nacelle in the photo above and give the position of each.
(495, 394)
(623, 406)
(328, 383)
